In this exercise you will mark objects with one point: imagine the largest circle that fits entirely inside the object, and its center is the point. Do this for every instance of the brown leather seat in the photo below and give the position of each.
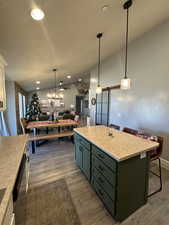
(114, 126)
(130, 131)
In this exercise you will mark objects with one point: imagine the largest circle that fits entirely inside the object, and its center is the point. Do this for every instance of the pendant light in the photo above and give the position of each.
(126, 82)
(99, 89)
(53, 96)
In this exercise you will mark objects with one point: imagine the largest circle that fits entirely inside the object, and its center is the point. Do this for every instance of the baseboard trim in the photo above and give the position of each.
(165, 163)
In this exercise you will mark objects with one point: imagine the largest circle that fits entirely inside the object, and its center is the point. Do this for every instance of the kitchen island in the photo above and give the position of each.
(11, 154)
(116, 166)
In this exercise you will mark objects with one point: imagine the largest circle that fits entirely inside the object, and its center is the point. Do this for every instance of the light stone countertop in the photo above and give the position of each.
(121, 146)
(11, 152)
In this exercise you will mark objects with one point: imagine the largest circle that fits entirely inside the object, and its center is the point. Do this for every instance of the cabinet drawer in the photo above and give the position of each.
(111, 163)
(109, 204)
(101, 180)
(104, 170)
(82, 141)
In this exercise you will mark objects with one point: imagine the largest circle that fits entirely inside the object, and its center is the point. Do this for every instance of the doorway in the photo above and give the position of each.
(79, 104)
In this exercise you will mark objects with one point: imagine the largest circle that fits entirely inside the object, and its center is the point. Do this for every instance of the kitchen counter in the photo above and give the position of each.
(121, 146)
(116, 166)
(11, 152)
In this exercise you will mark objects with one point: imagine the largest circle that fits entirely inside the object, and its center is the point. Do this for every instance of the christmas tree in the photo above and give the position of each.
(33, 109)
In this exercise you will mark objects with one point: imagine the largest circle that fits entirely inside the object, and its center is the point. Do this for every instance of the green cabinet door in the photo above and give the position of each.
(86, 162)
(79, 155)
(82, 157)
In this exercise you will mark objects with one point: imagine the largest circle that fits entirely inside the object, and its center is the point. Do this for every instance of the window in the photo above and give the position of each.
(22, 105)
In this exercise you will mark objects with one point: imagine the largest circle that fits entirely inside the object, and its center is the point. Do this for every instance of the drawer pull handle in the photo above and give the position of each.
(101, 193)
(101, 168)
(101, 156)
(101, 180)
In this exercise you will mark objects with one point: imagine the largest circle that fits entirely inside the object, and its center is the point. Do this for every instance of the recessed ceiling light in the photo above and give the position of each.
(60, 83)
(37, 14)
(37, 82)
(105, 8)
(80, 79)
(37, 88)
(62, 89)
(68, 76)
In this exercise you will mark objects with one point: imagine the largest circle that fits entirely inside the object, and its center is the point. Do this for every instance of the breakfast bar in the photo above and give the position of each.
(117, 166)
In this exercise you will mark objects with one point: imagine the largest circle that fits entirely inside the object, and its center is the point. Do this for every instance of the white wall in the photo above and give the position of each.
(146, 105)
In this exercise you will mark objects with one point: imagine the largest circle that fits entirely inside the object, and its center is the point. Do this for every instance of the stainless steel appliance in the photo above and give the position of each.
(20, 190)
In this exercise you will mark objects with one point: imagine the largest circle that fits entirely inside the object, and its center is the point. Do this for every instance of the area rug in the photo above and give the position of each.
(51, 204)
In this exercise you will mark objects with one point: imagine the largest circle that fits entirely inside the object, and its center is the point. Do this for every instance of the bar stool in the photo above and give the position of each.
(155, 155)
(114, 126)
(130, 131)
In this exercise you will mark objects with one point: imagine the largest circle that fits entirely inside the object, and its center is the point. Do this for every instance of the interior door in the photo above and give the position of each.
(79, 104)
(102, 108)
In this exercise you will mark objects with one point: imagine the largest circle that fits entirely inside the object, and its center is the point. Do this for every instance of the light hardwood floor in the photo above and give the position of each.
(54, 161)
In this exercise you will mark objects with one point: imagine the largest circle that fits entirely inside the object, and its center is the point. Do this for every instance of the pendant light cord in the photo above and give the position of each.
(99, 35)
(99, 63)
(54, 70)
(127, 34)
(55, 84)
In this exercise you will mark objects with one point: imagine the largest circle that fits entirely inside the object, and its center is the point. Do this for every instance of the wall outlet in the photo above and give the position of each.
(143, 155)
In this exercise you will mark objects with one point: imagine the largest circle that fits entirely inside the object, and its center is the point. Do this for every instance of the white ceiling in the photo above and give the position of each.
(66, 38)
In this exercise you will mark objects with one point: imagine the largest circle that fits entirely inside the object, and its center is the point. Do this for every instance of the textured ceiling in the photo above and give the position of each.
(66, 38)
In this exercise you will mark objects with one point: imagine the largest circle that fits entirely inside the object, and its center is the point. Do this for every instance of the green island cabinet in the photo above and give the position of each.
(121, 185)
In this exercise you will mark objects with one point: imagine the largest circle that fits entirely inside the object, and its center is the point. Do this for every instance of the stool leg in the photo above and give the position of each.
(72, 139)
(33, 147)
(159, 161)
(160, 177)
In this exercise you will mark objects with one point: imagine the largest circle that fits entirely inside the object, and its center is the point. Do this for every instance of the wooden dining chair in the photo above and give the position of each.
(114, 126)
(23, 124)
(76, 119)
(130, 131)
(155, 155)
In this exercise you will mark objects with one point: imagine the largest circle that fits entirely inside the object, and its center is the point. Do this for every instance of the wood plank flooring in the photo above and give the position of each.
(55, 160)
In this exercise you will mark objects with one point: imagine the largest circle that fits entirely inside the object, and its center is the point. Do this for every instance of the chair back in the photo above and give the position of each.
(68, 117)
(23, 125)
(158, 151)
(76, 119)
(114, 126)
(160, 148)
(130, 131)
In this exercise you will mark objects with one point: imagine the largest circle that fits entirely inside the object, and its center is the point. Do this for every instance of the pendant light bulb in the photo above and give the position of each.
(98, 90)
(125, 84)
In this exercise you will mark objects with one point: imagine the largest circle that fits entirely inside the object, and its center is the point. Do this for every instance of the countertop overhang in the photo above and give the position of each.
(11, 152)
(120, 146)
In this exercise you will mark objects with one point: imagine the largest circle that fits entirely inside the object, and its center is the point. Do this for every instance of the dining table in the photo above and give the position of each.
(36, 126)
